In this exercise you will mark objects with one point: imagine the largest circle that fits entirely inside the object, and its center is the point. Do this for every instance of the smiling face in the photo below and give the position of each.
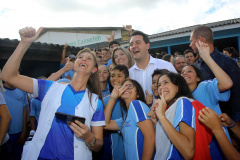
(166, 87)
(121, 58)
(130, 93)
(193, 41)
(190, 75)
(154, 84)
(117, 78)
(103, 73)
(85, 62)
(138, 48)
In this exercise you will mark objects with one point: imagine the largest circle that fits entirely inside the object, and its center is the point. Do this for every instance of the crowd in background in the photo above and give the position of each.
(135, 104)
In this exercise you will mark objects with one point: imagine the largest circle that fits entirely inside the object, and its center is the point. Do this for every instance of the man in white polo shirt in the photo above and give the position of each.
(145, 64)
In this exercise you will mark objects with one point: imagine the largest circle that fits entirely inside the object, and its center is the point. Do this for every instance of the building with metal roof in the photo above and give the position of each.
(226, 34)
(43, 56)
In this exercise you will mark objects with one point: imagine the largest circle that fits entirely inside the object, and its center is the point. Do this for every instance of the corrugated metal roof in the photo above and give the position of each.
(190, 28)
(7, 42)
(167, 33)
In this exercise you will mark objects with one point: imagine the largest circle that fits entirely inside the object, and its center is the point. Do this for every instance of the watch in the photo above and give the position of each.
(91, 144)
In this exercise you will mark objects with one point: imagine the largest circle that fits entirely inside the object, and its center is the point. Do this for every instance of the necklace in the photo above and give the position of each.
(170, 103)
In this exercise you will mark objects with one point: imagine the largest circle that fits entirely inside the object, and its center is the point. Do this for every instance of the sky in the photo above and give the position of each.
(149, 16)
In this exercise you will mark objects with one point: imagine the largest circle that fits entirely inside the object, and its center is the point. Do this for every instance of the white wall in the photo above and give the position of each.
(75, 39)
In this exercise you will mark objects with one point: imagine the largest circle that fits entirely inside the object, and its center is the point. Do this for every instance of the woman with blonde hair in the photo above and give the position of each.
(122, 56)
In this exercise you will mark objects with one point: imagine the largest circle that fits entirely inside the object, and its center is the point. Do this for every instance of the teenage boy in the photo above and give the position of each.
(113, 142)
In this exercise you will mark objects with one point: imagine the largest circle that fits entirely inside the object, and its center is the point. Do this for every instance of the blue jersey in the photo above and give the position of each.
(105, 93)
(184, 112)
(35, 108)
(113, 142)
(59, 141)
(15, 99)
(208, 94)
(132, 135)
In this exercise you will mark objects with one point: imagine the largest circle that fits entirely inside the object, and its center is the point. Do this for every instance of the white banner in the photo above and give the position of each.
(75, 39)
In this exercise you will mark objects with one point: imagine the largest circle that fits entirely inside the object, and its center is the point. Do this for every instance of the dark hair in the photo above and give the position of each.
(177, 52)
(163, 53)
(105, 49)
(233, 51)
(159, 56)
(113, 42)
(167, 57)
(153, 55)
(141, 95)
(188, 51)
(198, 72)
(159, 71)
(145, 37)
(93, 83)
(204, 32)
(180, 82)
(122, 68)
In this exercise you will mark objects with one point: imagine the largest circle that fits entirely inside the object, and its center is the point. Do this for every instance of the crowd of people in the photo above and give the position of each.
(124, 103)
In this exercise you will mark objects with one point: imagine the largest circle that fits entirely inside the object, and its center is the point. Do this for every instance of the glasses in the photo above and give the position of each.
(130, 86)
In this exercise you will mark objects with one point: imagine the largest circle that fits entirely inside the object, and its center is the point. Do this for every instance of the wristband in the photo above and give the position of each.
(232, 125)
(91, 144)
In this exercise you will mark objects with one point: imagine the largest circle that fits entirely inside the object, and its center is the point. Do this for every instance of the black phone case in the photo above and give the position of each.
(69, 118)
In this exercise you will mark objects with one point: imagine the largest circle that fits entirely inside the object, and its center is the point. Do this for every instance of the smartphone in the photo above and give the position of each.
(69, 118)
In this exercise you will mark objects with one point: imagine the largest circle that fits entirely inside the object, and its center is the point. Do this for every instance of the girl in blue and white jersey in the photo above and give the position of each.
(104, 76)
(136, 127)
(56, 138)
(174, 117)
(209, 92)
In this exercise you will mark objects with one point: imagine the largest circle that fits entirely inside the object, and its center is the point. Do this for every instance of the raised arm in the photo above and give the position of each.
(211, 120)
(128, 28)
(111, 124)
(10, 72)
(228, 122)
(224, 81)
(63, 60)
(111, 37)
(55, 76)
